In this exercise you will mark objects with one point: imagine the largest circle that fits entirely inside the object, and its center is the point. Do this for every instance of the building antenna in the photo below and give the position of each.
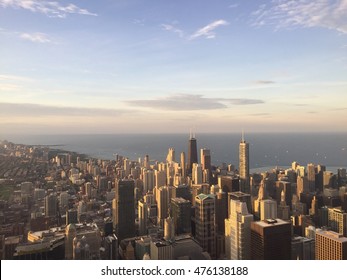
(243, 135)
(190, 133)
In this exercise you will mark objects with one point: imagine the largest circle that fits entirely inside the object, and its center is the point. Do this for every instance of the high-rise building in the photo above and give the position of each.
(205, 158)
(143, 217)
(337, 221)
(283, 211)
(192, 153)
(51, 205)
(183, 166)
(271, 240)
(163, 204)
(205, 230)
(238, 232)
(244, 164)
(330, 245)
(123, 209)
(170, 155)
(268, 209)
(181, 214)
(311, 177)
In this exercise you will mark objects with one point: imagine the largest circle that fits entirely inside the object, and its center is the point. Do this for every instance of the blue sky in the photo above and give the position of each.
(114, 66)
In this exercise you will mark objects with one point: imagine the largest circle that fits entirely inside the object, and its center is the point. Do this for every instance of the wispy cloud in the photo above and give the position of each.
(169, 27)
(49, 8)
(37, 110)
(329, 14)
(188, 102)
(36, 37)
(264, 82)
(233, 6)
(208, 30)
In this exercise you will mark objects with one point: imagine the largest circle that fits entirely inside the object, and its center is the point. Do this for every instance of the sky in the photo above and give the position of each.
(160, 66)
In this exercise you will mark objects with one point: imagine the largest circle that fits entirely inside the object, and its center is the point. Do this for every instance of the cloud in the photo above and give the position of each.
(233, 6)
(264, 82)
(187, 102)
(329, 14)
(36, 110)
(169, 27)
(207, 31)
(36, 37)
(49, 8)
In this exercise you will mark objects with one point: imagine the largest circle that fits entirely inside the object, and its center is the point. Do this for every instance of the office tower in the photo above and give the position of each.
(169, 229)
(238, 232)
(271, 240)
(160, 178)
(51, 205)
(192, 153)
(197, 173)
(71, 216)
(301, 186)
(180, 210)
(329, 179)
(283, 210)
(330, 245)
(123, 209)
(183, 166)
(162, 204)
(240, 196)
(244, 163)
(229, 183)
(146, 163)
(170, 155)
(311, 177)
(148, 180)
(337, 221)
(142, 217)
(268, 209)
(283, 186)
(303, 248)
(205, 158)
(221, 211)
(182, 191)
(205, 231)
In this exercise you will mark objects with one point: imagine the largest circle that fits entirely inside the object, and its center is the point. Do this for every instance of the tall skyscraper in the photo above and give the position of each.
(123, 209)
(205, 158)
(192, 153)
(271, 240)
(205, 229)
(244, 163)
(238, 232)
(143, 217)
(181, 214)
(163, 204)
(330, 245)
(311, 177)
(183, 166)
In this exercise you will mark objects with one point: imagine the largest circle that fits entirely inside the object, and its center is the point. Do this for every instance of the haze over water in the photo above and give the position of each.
(267, 149)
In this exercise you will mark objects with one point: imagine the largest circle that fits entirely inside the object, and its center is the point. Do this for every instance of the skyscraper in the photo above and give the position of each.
(205, 229)
(192, 153)
(244, 163)
(123, 209)
(181, 214)
(238, 232)
(271, 240)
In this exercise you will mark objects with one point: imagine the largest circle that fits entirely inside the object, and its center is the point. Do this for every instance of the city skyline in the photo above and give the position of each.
(132, 66)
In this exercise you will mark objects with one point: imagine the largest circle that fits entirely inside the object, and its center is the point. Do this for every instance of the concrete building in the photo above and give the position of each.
(205, 230)
(271, 240)
(238, 232)
(330, 245)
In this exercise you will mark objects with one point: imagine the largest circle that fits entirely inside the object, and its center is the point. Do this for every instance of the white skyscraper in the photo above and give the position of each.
(238, 232)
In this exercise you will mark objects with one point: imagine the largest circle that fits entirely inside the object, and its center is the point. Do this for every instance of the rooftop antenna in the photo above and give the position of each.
(243, 135)
(190, 134)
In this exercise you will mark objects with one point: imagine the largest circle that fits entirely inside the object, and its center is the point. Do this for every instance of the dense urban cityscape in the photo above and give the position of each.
(59, 205)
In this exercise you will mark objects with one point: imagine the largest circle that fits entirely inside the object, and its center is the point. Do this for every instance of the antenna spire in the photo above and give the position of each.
(243, 136)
